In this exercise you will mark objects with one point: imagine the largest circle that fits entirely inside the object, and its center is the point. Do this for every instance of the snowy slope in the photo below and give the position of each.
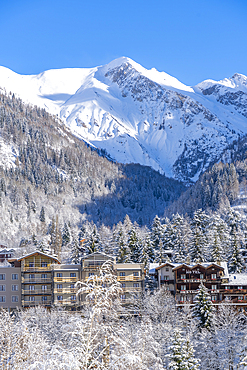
(141, 116)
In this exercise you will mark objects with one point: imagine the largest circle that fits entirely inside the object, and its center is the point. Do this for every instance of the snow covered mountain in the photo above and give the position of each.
(141, 116)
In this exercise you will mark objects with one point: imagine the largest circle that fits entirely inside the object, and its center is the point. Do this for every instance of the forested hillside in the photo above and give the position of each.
(46, 173)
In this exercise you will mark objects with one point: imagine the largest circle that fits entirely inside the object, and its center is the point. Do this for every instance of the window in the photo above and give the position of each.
(214, 298)
(73, 298)
(213, 276)
(59, 274)
(201, 276)
(44, 287)
(44, 276)
(2, 276)
(72, 286)
(72, 274)
(136, 273)
(240, 298)
(123, 285)
(59, 286)
(31, 287)
(14, 288)
(227, 288)
(14, 276)
(167, 268)
(182, 299)
(240, 287)
(31, 264)
(59, 297)
(31, 276)
(2, 288)
(214, 287)
(44, 298)
(31, 299)
(43, 264)
(122, 296)
(122, 273)
(183, 277)
(136, 285)
(2, 298)
(166, 277)
(183, 287)
(14, 298)
(91, 274)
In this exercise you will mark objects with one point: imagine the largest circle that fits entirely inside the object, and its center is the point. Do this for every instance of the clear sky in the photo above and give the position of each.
(191, 39)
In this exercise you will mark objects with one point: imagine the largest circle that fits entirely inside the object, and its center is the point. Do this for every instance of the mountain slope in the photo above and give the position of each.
(141, 116)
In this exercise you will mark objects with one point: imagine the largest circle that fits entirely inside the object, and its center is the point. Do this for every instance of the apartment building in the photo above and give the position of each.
(234, 289)
(40, 279)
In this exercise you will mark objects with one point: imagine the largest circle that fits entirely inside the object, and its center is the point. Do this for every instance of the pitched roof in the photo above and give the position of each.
(35, 253)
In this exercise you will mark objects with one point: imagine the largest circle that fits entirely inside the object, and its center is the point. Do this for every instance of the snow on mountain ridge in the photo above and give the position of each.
(139, 115)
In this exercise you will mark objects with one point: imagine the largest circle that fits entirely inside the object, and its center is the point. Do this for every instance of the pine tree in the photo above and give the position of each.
(65, 235)
(156, 232)
(236, 263)
(199, 244)
(42, 214)
(94, 244)
(123, 250)
(182, 354)
(203, 308)
(134, 246)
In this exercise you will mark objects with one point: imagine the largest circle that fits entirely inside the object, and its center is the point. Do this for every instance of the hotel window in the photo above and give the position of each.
(44, 298)
(167, 268)
(2, 298)
(31, 287)
(214, 297)
(183, 277)
(44, 276)
(14, 298)
(227, 288)
(136, 285)
(122, 296)
(31, 276)
(123, 285)
(59, 297)
(214, 287)
(122, 273)
(91, 274)
(72, 274)
(59, 274)
(240, 298)
(182, 298)
(43, 264)
(213, 276)
(2, 288)
(183, 287)
(166, 277)
(31, 299)
(72, 286)
(31, 264)
(240, 287)
(14, 288)
(136, 273)
(73, 298)
(201, 276)
(60, 286)
(14, 276)
(44, 287)
(2, 276)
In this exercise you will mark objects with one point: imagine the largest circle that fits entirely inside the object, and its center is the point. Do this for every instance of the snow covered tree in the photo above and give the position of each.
(42, 214)
(134, 246)
(199, 244)
(236, 263)
(203, 308)
(65, 234)
(157, 231)
(94, 243)
(182, 354)
(123, 250)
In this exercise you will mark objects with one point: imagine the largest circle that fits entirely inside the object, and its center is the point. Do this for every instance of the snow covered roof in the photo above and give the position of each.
(97, 254)
(38, 253)
(168, 264)
(152, 267)
(205, 265)
(237, 279)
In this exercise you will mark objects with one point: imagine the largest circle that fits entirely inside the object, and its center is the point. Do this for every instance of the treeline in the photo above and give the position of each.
(44, 164)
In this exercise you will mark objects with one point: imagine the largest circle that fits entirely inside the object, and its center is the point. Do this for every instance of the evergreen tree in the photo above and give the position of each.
(42, 214)
(156, 232)
(182, 354)
(123, 250)
(236, 263)
(160, 257)
(203, 308)
(94, 244)
(199, 244)
(134, 246)
(65, 235)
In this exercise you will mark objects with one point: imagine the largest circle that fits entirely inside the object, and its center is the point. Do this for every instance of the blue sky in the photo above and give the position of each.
(191, 40)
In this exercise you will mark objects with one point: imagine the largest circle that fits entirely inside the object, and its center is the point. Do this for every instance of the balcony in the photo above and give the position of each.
(132, 289)
(36, 291)
(191, 280)
(129, 278)
(65, 279)
(36, 303)
(36, 280)
(65, 290)
(65, 302)
(36, 267)
(167, 281)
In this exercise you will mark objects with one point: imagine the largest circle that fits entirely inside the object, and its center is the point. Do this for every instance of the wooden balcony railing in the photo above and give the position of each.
(65, 279)
(36, 303)
(36, 280)
(65, 290)
(129, 278)
(36, 291)
(36, 267)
